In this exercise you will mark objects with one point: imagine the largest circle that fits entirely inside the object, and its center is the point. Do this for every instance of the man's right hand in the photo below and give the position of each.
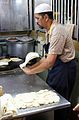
(76, 108)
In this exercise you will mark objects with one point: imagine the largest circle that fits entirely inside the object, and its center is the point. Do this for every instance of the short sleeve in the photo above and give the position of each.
(57, 41)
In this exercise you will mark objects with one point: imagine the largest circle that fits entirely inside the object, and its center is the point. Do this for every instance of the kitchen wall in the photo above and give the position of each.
(14, 15)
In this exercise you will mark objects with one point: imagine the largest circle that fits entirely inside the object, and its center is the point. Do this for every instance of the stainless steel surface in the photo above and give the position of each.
(21, 48)
(17, 82)
(14, 15)
(17, 46)
(3, 47)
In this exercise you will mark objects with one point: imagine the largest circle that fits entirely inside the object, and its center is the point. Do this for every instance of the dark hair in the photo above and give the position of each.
(50, 14)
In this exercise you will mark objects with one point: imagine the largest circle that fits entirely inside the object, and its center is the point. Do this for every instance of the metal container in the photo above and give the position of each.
(21, 46)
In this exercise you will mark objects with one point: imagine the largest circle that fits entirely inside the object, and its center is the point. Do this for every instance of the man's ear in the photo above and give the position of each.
(46, 17)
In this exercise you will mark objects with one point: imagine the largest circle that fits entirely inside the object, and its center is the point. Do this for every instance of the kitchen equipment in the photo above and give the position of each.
(15, 47)
(21, 46)
(12, 62)
(3, 47)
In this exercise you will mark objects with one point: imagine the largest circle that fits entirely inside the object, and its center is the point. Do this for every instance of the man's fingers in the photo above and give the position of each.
(76, 107)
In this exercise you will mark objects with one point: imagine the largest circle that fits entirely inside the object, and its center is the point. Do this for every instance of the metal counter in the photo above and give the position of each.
(18, 82)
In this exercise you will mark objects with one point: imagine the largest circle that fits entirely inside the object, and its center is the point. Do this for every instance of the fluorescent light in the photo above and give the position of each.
(18, 1)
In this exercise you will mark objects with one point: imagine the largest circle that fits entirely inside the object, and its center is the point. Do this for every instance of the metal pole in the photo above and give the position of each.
(78, 20)
(56, 11)
(63, 12)
(75, 21)
(60, 11)
(28, 15)
(53, 8)
(33, 25)
(72, 11)
(68, 10)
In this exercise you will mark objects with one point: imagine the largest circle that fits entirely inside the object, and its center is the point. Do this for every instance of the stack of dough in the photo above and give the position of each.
(35, 99)
(7, 106)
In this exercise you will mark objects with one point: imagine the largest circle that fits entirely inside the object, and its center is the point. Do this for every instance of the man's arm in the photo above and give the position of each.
(36, 64)
(43, 65)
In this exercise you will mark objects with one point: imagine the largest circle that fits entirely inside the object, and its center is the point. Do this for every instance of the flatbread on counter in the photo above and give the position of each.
(35, 99)
(7, 106)
(10, 59)
(5, 60)
(15, 59)
(3, 63)
(10, 105)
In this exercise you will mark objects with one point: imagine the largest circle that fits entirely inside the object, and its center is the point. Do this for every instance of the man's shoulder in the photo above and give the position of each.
(59, 28)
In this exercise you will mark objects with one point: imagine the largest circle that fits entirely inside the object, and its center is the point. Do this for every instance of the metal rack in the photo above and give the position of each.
(67, 11)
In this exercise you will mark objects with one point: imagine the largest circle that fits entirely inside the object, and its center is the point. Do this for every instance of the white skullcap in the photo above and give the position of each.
(44, 7)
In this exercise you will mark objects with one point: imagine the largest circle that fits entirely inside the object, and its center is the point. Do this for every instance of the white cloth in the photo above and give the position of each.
(29, 57)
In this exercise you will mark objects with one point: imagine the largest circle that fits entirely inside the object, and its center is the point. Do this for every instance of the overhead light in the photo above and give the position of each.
(18, 1)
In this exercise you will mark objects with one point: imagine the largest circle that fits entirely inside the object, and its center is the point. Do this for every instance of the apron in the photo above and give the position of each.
(62, 75)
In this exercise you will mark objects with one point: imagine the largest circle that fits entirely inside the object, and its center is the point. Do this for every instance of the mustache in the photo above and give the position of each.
(40, 26)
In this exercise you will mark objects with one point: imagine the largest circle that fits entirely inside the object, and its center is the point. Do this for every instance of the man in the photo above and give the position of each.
(60, 54)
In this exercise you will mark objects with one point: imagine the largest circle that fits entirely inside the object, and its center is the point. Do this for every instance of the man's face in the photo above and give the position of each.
(39, 20)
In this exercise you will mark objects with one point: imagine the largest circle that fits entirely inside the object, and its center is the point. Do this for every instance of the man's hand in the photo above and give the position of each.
(76, 108)
(26, 70)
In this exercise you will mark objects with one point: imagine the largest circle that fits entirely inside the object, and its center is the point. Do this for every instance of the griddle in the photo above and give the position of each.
(11, 64)
(18, 82)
